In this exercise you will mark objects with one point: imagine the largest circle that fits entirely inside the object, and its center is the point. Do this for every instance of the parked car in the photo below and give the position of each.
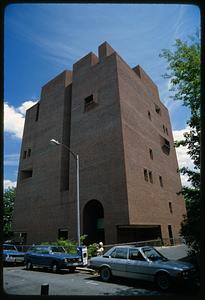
(11, 255)
(144, 263)
(53, 257)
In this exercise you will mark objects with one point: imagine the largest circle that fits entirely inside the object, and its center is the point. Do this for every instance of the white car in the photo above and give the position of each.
(142, 263)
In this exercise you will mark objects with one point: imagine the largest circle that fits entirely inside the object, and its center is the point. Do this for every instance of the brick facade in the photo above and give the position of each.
(111, 115)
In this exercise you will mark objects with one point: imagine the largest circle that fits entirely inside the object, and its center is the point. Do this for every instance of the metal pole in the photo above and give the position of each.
(78, 198)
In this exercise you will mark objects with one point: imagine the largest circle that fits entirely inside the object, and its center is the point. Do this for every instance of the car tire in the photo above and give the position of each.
(105, 274)
(55, 267)
(29, 265)
(163, 281)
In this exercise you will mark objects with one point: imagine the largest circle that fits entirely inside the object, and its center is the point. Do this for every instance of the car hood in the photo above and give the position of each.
(13, 252)
(176, 264)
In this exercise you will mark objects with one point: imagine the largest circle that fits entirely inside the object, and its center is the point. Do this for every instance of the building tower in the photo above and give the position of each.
(111, 115)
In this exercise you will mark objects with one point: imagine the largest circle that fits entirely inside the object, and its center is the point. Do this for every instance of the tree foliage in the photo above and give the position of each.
(184, 74)
(8, 205)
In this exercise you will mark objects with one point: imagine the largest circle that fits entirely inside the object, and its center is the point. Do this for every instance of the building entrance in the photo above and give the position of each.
(93, 222)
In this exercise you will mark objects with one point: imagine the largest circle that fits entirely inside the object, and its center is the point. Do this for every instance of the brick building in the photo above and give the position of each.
(111, 115)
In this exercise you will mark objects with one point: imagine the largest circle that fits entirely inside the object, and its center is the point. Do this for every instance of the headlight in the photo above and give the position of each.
(185, 274)
(65, 260)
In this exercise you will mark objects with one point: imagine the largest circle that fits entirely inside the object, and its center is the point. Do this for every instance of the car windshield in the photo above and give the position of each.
(153, 254)
(58, 249)
(10, 247)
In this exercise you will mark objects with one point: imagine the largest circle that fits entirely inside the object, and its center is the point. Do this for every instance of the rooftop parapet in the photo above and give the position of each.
(104, 50)
(85, 63)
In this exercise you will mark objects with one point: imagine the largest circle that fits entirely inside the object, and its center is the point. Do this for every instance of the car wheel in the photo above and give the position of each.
(55, 267)
(163, 281)
(105, 274)
(29, 265)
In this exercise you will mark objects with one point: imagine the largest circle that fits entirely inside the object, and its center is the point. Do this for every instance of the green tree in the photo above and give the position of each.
(184, 75)
(8, 205)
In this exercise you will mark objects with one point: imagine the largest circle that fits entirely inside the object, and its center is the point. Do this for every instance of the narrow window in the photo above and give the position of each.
(37, 111)
(166, 131)
(170, 234)
(149, 115)
(163, 128)
(170, 207)
(29, 152)
(24, 154)
(160, 181)
(145, 174)
(63, 233)
(151, 153)
(165, 144)
(150, 177)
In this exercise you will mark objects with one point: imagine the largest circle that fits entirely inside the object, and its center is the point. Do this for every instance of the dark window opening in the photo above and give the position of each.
(165, 145)
(26, 174)
(170, 207)
(170, 234)
(29, 152)
(151, 153)
(150, 177)
(89, 103)
(145, 174)
(63, 233)
(149, 115)
(24, 154)
(160, 181)
(37, 111)
(163, 128)
(157, 109)
(166, 131)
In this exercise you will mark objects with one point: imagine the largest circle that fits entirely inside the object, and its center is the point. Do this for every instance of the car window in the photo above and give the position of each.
(58, 249)
(135, 254)
(152, 254)
(10, 247)
(119, 253)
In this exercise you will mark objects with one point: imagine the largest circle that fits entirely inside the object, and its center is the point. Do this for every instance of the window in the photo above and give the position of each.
(151, 153)
(145, 174)
(160, 181)
(37, 111)
(63, 233)
(150, 177)
(163, 128)
(24, 154)
(135, 254)
(89, 103)
(157, 109)
(29, 152)
(166, 131)
(26, 174)
(165, 144)
(170, 207)
(119, 253)
(149, 115)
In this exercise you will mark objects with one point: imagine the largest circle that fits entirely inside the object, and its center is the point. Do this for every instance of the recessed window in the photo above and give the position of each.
(165, 145)
(26, 174)
(157, 109)
(163, 128)
(170, 207)
(151, 153)
(166, 131)
(24, 154)
(149, 115)
(37, 111)
(29, 152)
(89, 103)
(161, 181)
(146, 174)
(63, 233)
(150, 177)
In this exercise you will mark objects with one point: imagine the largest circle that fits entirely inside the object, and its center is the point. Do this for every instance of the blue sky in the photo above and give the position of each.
(42, 40)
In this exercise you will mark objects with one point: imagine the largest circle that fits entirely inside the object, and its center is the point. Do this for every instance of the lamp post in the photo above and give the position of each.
(76, 156)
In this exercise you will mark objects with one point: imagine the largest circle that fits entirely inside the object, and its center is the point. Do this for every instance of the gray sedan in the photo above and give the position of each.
(142, 263)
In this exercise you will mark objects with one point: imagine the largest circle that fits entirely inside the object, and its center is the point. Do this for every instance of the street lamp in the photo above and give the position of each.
(76, 156)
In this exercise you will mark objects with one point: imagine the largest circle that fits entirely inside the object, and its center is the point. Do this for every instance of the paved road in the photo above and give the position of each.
(19, 281)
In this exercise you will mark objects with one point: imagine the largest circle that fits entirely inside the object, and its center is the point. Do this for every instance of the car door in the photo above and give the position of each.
(118, 260)
(137, 266)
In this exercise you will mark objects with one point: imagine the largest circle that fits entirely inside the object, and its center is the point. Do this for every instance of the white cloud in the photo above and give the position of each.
(183, 158)
(8, 183)
(11, 160)
(14, 118)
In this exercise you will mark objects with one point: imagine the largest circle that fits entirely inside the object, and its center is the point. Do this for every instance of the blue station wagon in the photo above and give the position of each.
(11, 255)
(53, 257)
